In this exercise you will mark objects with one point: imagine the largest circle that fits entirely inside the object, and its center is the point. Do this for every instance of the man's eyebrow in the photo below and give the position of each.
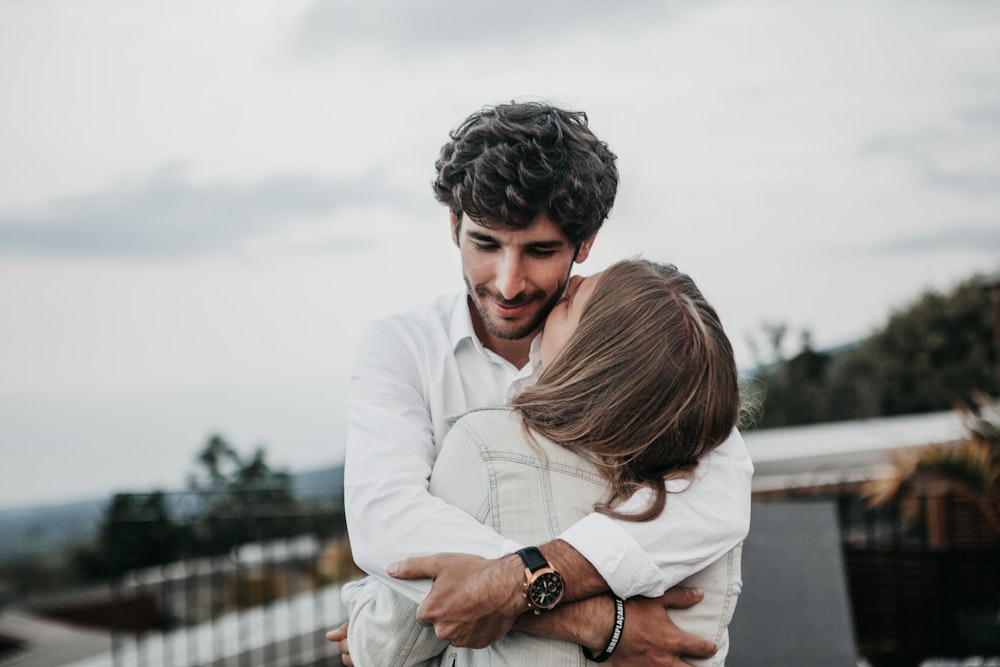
(481, 236)
(546, 245)
(551, 244)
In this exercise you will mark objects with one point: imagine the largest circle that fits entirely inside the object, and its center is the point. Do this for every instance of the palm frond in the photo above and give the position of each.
(970, 468)
(880, 491)
(967, 466)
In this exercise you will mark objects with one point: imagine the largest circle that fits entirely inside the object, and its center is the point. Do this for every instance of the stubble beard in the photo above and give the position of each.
(481, 294)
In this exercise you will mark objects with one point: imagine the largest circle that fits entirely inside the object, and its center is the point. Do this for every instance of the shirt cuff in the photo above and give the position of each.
(625, 566)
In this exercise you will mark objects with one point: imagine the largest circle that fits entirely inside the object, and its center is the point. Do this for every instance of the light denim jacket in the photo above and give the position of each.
(529, 494)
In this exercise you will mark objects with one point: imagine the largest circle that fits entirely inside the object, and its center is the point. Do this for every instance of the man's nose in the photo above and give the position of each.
(510, 280)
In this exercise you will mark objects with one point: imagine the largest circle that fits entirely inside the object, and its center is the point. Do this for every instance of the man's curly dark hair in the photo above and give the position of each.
(507, 164)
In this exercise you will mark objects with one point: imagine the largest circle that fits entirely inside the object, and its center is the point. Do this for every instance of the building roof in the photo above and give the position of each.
(845, 451)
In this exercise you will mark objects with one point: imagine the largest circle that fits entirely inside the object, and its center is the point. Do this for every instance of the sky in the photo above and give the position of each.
(202, 203)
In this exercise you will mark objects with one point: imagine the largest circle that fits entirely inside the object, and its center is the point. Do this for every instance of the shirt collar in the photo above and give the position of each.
(461, 329)
(461, 323)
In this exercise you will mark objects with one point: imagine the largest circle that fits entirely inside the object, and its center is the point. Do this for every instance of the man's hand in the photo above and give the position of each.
(651, 638)
(339, 636)
(473, 601)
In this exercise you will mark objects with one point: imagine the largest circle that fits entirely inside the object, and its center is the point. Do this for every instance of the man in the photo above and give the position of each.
(528, 186)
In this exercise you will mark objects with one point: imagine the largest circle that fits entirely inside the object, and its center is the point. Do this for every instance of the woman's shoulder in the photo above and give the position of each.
(501, 431)
(491, 415)
(488, 425)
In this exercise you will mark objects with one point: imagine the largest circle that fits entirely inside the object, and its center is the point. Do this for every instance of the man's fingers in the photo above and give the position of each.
(692, 646)
(337, 634)
(417, 567)
(696, 647)
(685, 643)
(681, 597)
(422, 617)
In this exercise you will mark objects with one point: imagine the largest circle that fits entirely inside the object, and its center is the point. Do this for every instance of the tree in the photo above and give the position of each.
(233, 501)
(137, 531)
(936, 352)
(243, 499)
(237, 481)
(791, 391)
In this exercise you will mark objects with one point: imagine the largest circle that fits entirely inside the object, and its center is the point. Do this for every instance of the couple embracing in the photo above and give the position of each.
(543, 469)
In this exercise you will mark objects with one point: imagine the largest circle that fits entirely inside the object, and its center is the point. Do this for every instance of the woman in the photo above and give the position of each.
(639, 382)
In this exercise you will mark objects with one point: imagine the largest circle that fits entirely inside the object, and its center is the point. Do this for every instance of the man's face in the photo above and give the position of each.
(514, 277)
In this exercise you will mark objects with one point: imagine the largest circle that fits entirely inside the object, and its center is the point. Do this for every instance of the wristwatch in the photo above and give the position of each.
(543, 586)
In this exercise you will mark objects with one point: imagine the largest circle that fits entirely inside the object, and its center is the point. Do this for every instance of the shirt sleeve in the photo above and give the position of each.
(383, 630)
(702, 520)
(389, 456)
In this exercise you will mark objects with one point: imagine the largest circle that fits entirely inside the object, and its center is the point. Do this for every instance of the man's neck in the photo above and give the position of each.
(515, 351)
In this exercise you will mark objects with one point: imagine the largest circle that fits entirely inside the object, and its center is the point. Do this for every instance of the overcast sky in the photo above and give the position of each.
(201, 203)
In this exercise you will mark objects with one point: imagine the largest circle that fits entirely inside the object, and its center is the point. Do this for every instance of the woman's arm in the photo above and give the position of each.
(382, 630)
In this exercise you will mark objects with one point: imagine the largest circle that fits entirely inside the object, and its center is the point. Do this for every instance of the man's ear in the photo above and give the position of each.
(456, 227)
(584, 250)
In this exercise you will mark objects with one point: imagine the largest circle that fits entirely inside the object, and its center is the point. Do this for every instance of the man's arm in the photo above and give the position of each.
(649, 637)
(701, 521)
(473, 601)
(480, 620)
(390, 454)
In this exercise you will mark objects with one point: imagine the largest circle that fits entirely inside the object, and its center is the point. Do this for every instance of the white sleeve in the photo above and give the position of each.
(383, 630)
(697, 526)
(389, 455)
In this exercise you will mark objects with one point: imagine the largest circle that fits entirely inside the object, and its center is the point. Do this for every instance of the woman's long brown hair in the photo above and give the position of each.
(645, 385)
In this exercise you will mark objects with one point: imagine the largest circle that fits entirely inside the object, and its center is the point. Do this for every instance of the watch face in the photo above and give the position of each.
(546, 590)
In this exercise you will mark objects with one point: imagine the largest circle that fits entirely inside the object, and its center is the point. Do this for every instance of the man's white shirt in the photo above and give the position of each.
(416, 371)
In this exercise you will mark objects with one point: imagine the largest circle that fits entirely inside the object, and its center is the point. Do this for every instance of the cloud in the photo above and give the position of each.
(165, 215)
(439, 25)
(971, 181)
(959, 157)
(985, 239)
(987, 117)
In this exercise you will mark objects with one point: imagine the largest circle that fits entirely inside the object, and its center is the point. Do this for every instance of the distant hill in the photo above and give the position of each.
(38, 529)
(321, 483)
(43, 528)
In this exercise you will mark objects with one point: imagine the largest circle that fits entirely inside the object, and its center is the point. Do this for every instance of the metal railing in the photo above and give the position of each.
(923, 576)
(252, 579)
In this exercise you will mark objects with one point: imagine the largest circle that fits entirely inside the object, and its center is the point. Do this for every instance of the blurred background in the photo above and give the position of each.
(201, 204)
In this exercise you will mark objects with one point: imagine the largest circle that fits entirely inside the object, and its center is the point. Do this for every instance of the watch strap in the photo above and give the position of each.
(533, 558)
